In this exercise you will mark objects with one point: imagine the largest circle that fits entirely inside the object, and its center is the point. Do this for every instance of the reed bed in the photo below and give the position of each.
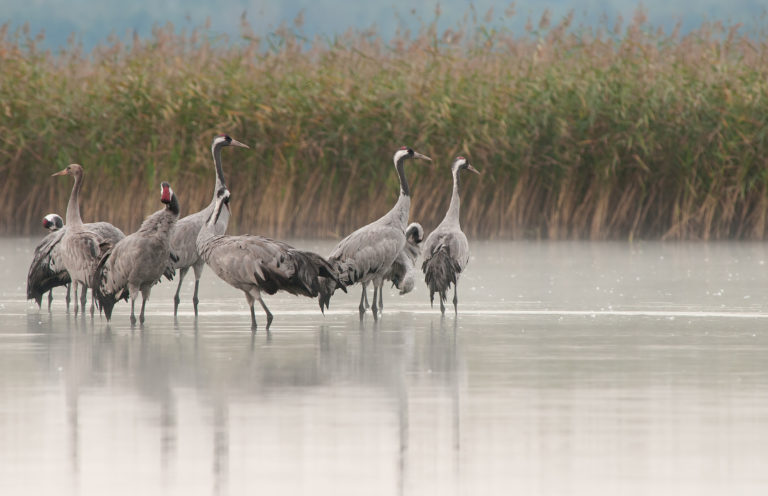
(619, 133)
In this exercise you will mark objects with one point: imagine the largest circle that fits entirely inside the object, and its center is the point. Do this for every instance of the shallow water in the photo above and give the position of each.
(573, 368)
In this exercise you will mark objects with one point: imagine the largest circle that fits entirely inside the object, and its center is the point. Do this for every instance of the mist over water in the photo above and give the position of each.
(572, 368)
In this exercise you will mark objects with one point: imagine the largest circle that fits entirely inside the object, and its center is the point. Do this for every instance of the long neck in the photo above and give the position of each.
(220, 183)
(452, 215)
(404, 189)
(73, 208)
(209, 228)
(173, 207)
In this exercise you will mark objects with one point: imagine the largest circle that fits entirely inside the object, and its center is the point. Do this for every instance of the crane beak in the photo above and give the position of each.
(60, 173)
(237, 143)
(469, 167)
(422, 157)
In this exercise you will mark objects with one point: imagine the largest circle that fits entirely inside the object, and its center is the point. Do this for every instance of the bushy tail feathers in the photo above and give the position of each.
(100, 283)
(440, 271)
(343, 275)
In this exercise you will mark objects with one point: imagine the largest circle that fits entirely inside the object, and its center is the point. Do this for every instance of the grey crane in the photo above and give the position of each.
(139, 260)
(403, 268)
(367, 254)
(184, 237)
(254, 264)
(82, 244)
(446, 250)
(46, 270)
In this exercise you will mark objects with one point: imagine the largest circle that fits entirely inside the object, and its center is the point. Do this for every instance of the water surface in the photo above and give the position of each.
(572, 368)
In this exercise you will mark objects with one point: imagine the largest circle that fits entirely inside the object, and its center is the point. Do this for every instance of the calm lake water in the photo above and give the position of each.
(573, 368)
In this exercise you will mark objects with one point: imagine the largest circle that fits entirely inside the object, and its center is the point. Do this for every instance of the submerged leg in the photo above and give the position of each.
(143, 305)
(133, 315)
(176, 299)
(363, 300)
(198, 272)
(83, 298)
(374, 309)
(75, 284)
(264, 306)
(50, 300)
(69, 287)
(381, 297)
(249, 298)
(455, 300)
(442, 306)
(93, 301)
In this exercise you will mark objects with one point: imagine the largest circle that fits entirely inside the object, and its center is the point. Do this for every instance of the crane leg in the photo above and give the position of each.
(83, 298)
(264, 306)
(381, 297)
(195, 300)
(363, 300)
(249, 298)
(143, 304)
(442, 306)
(69, 287)
(75, 298)
(198, 272)
(176, 299)
(373, 307)
(133, 315)
(455, 300)
(93, 301)
(50, 300)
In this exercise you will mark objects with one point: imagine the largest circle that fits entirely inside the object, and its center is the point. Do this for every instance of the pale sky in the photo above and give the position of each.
(93, 21)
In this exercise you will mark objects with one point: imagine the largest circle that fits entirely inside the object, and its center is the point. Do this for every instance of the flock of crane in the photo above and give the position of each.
(119, 267)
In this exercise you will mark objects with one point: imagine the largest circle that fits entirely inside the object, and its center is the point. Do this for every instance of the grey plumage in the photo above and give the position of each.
(402, 271)
(184, 237)
(446, 250)
(368, 253)
(254, 264)
(139, 260)
(46, 270)
(83, 244)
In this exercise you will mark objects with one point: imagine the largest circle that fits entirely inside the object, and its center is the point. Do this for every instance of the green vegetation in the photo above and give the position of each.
(614, 134)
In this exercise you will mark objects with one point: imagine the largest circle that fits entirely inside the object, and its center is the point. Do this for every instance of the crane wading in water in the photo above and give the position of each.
(139, 260)
(46, 270)
(184, 237)
(446, 250)
(254, 264)
(83, 244)
(367, 254)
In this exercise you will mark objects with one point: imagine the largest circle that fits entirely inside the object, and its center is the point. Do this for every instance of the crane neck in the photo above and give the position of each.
(73, 207)
(452, 216)
(173, 207)
(399, 166)
(220, 182)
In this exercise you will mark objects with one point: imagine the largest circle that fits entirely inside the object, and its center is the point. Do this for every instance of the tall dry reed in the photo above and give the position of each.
(580, 133)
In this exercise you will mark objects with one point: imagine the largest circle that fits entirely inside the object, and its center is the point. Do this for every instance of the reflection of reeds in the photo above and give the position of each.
(579, 133)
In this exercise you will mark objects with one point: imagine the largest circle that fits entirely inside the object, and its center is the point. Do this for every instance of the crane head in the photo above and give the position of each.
(71, 170)
(226, 140)
(53, 222)
(460, 163)
(407, 153)
(166, 193)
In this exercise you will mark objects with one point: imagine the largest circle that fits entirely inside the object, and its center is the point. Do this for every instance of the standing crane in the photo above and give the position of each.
(82, 244)
(46, 270)
(446, 250)
(368, 253)
(403, 268)
(184, 237)
(254, 264)
(139, 260)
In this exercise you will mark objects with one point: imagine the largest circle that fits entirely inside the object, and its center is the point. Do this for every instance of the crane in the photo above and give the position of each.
(368, 253)
(184, 237)
(446, 250)
(139, 260)
(46, 270)
(82, 244)
(254, 264)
